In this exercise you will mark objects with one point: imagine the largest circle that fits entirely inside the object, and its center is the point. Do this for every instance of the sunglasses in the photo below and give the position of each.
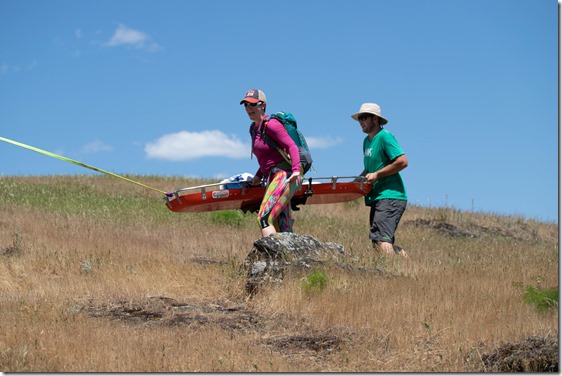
(364, 117)
(246, 104)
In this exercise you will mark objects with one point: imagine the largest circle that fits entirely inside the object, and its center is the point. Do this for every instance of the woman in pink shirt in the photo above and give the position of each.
(283, 180)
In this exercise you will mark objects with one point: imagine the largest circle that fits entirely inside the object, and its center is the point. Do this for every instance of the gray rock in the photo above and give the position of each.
(271, 257)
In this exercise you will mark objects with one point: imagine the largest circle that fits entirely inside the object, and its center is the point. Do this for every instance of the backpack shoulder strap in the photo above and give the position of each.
(266, 138)
(253, 132)
(272, 144)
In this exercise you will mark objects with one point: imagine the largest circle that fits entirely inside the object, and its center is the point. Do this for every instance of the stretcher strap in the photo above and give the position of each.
(78, 163)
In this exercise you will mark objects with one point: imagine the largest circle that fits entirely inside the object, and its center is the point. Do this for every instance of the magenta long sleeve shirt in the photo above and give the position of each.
(269, 157)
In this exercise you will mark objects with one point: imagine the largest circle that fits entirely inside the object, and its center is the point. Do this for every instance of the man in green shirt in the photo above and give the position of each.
(383, 160)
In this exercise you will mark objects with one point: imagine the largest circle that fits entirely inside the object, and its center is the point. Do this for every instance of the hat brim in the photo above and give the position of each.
(250, 100)
(355, 116)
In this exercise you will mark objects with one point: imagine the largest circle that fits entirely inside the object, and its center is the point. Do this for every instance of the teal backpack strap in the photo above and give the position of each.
(273, 144)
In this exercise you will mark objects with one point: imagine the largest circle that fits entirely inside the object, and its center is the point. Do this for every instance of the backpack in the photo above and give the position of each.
(290, 124)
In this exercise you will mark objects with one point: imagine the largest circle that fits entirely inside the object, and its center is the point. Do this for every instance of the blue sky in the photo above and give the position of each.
(470, 89)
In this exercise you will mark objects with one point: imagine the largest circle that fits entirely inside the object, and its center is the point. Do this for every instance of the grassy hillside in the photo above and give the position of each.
(97, 275)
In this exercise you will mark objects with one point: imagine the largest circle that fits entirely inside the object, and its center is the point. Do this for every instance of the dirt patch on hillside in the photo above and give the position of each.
(443, 227)
(160, 310)
(533, 354)
(521, 232)
(168, 311)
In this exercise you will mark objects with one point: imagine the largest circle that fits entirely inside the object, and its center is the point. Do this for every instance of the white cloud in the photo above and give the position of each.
(5, 68)
(125, 36)
(96, 146)
(78, 33)
(322, 142)
(182, 146)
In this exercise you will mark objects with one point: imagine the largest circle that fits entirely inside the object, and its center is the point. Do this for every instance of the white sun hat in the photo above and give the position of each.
(370, 108)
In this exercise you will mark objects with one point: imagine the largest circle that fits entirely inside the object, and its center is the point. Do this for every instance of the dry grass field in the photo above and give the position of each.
(97, 275)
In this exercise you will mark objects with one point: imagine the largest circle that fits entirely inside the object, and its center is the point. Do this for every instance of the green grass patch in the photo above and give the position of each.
(542, 299)
(228, 217)
(315, 281)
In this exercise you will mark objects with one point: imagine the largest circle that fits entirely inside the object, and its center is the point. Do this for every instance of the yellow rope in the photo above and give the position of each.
(77, 163)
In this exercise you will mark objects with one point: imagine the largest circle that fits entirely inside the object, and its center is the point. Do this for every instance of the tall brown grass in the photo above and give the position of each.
(76, 251)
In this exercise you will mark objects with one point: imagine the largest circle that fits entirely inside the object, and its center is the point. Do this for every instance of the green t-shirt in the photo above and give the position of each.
(378, 153)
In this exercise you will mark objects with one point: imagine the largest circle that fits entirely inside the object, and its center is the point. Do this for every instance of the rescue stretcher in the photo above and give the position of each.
(240, 195)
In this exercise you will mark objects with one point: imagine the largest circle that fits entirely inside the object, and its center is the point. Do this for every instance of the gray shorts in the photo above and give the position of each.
(384, 218)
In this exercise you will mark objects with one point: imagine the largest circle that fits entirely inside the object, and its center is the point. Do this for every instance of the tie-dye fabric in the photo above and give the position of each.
(275, 208)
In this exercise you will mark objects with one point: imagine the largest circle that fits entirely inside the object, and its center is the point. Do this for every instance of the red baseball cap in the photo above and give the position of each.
(254, 96)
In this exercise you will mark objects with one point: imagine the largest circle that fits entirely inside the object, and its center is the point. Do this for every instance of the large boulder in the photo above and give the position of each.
(271, 257)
